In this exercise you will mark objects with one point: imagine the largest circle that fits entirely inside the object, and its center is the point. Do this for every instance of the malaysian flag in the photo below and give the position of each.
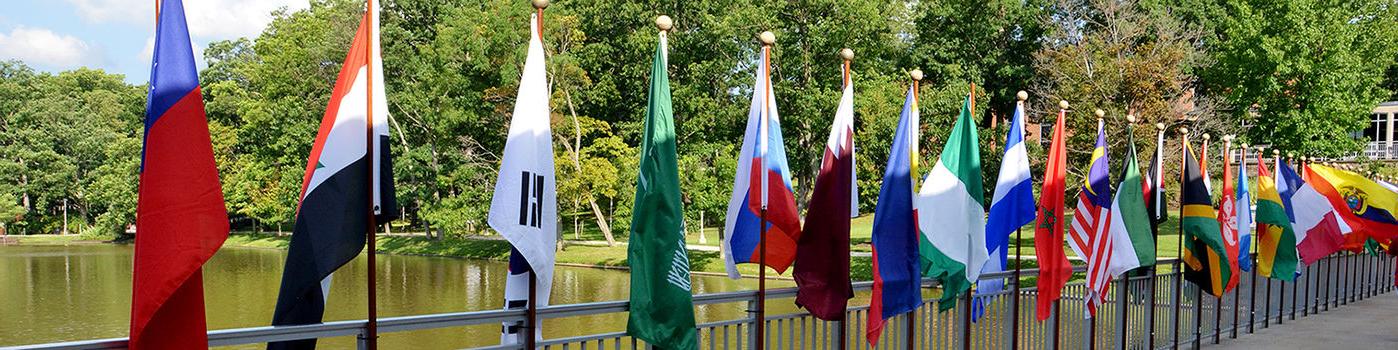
(1091, 221)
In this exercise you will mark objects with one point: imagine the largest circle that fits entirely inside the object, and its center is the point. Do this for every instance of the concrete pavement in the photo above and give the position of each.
(1368, 324)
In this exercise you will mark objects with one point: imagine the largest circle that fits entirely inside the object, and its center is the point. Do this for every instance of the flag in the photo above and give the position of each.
(897, 283)
(1370, 205)
(1011, 208)
(1243, 205)
(1320, 229)
(1204, 252)
(1054, 269)
(1227, 220)
(1154, 187)
(1204, 167)
(1276, 241)
(179, 208)
(662, 306)
(524, 208)
(762, 181)
(332, 220)
(1133, 245)
(1091, 221)
(1388, 186)
(822, 254)
(951, 213)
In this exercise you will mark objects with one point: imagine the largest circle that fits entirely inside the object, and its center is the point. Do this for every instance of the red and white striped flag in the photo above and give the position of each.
(1091, 222)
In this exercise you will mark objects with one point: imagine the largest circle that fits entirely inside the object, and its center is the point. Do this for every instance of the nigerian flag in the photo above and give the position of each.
(951, 214)
(662, 308)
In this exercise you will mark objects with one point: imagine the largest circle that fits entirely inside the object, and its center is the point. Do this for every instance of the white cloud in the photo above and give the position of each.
(208, 19)
(42, 47)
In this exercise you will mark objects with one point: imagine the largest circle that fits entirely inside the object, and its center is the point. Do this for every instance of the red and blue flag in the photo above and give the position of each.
(181, 219)
(762, 181)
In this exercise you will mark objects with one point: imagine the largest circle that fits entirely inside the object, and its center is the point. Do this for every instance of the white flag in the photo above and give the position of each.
(524, 208)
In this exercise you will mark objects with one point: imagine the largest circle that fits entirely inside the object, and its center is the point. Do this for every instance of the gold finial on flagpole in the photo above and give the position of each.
(1131, 119)
(767, 38)
(916, 74)
(1062, 104)
(1184, 130)
(1160, 126)
(664, 23)
(847, 54)
(541, 4)
(1100, 114)
(1022, 96)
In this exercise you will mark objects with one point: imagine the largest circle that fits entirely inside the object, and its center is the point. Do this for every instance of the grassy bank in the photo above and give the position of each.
(51, 239)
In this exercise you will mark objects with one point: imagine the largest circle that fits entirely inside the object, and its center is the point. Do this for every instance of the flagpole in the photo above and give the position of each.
(847, 55)
(1252, 255)
(1155, 182)
(1062, 109)
(1179, 248)
(767, 39)
(966, 323)
(531, 311)
(372, 327)
(1199, 291)
(1014, 303)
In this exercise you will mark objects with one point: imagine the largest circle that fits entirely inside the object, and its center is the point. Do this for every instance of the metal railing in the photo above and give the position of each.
(1177, 316)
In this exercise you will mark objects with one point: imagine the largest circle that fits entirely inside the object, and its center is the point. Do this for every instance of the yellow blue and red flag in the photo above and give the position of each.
(897, 266)
(1205, 253)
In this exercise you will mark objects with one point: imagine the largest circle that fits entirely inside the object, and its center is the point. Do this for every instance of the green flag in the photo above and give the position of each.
(662, 307)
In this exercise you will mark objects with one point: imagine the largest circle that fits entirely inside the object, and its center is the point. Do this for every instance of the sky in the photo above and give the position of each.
(117, 36)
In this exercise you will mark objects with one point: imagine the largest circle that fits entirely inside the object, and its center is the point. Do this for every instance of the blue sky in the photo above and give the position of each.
(117, 35)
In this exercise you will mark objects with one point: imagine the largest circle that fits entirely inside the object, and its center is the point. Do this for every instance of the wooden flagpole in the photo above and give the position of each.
(767, 39)
(848, 56)
(531, 311)
(1019, 236)
(371, 336)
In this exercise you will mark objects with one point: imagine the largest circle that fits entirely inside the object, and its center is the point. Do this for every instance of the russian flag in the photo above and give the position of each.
(180, 214)
(897, 266)
(762, 180)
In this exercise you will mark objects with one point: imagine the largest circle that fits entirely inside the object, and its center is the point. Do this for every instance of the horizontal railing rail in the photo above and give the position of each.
(1174, 316)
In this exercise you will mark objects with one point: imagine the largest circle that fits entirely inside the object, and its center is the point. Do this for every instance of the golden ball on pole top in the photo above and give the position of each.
(541, 4)
(1160, 126)
(767, 38)
(1131, 118)
(1206, 136)
(664, 23)
(847, 54)
(1021, 95)
(1100, 113)
(1063, 104)
(916, 74)
(1184, 130)
(1276, 153)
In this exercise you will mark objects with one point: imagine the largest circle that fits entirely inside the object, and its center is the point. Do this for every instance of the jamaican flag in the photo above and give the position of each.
(1204, 250)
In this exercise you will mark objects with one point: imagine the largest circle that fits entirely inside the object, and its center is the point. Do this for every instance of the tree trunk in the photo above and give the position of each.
(573, 150)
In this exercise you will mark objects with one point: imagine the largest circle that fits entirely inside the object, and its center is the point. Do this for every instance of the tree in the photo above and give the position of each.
(1309, 70)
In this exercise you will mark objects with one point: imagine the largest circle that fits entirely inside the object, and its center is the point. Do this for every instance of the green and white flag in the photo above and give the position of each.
(951, 213)
(1132, 245)
(662, 306)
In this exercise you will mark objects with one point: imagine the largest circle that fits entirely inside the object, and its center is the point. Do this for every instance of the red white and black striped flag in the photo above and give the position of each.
(341, 176)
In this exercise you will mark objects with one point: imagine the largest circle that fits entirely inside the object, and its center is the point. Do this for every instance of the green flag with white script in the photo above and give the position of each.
(662, 306)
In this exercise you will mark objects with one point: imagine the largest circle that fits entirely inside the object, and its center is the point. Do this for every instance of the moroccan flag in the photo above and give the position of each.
(1011, 207)
(180, 212)
(1054, 269)
(333, 217)
(1320, 228)
(1276, 241)
(1227, 219)
(1205, 253)
(1133, 244)
(951, 213)
(897, 283)
(1371, 206)
(762, 181)
(524, 207)
(662, 307)
(822, 254)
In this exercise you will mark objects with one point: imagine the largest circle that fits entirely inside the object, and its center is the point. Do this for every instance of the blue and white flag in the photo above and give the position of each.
(1243, 214)
(1011, 208)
